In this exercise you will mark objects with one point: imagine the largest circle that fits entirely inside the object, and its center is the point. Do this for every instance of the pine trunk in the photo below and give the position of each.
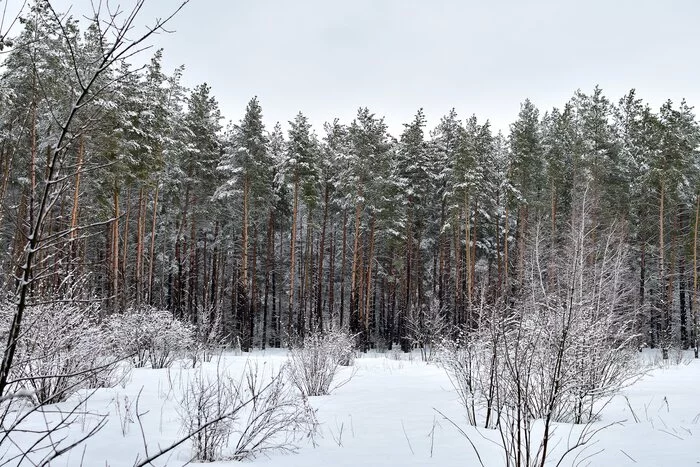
(662, 275)
(243, 278)
(268, 267)
(76, 198)
(115, 249)
(331, 282)
(506, 269)
(125, 250)
(468, 251)
(343, 262)
(318, 325)
(456, 229)
(152, 246)
(292, 260)
(695, 279)
(369, 293)
(354, 308)
(253, 306)
(140, 232)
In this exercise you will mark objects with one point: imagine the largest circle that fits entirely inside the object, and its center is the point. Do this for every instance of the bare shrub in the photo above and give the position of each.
(275, 417)
(559, 354)
(239, 419)
(426, 327)
(472, 362)
(342, 348)
(207, 408)
(209, 337)
(61, 350)
(313, 365)
(125, 411)
(149, 336)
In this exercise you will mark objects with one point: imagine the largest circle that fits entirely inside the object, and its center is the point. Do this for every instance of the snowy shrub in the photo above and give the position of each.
(149, 336)
(558, 354)
(207, 408)
(313, 365)
(231, 419)
(61, 350)
(472, 363)
(275, 417)
(601, 358)
(342, 347)
(208, 336)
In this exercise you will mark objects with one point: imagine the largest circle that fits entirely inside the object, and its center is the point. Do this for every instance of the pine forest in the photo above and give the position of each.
(571, 236)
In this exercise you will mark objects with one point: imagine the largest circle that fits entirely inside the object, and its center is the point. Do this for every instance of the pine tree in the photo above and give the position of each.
(526, 174)
(249, 172)
(198, 158)
(301, 167)
(368, 161)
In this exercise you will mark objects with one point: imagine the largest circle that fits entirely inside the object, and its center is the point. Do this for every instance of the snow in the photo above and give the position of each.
(387, 415)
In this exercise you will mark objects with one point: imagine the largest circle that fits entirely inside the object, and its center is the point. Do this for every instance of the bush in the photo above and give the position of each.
(208, 336)
(62, 350)
(207, 408)
(313, 366)
(557, 353)
(149, 336)
(253, 415)
(471, 362)
(342, 347)
(426, 327)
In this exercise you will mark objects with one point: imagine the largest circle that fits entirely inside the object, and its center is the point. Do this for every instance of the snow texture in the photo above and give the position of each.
(386, 415)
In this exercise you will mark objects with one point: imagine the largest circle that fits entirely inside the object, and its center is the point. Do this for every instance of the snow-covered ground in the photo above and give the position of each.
(387, 414)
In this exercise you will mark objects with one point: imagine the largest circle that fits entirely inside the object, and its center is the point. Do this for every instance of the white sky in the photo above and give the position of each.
(329, 57)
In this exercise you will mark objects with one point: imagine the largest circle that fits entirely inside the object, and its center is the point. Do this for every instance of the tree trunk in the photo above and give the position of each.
(468, 251)
(192, 280)
(331, 282)
(662, 277)
(474, 238)
(253, 306)
(244, 233)
(354, 308)
(243, 278)
(114, 293)
(522, 220)
(506, 269)
(343, 262)
(408, 305)
(696, 338)
(292, 260)
(76, 198)
(152, 246)
(321, 250)
(681, 302)
(213, 303)
(553, 246)
(277, 303)
(125, 250)
(268, 266)
(140, 232)
(306, 295)
(369, 293)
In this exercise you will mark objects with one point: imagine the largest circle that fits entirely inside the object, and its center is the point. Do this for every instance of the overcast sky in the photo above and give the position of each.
(327, 58)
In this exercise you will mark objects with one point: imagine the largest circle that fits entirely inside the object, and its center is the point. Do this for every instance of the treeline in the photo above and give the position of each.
(264, 236)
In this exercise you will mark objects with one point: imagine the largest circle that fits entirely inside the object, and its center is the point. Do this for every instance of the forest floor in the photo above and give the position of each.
(390, 413)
